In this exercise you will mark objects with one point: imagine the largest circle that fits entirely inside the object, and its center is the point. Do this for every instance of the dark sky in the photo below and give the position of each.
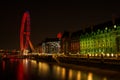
(50, 17)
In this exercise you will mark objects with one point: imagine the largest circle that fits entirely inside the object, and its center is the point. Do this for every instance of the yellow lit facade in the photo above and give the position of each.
(105, 40)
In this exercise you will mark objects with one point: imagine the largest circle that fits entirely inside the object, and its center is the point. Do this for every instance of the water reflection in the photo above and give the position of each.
(25, 65)
(43, 69)
(20, 73)
(78, 75)
(63, 73)
(90, 76)
(60, 72)
(70, 73)
(3, 65)
(32, 70)
(104, 78)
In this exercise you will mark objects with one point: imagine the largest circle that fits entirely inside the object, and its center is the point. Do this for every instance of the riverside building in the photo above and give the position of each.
(101, 39)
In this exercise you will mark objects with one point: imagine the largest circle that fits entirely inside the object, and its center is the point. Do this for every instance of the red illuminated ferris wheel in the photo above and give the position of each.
(25, 33)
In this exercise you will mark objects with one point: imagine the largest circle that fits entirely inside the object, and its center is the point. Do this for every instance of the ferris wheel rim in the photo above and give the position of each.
(25, 18)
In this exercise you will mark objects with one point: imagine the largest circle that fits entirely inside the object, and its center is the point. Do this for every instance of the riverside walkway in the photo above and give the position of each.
(107, 62)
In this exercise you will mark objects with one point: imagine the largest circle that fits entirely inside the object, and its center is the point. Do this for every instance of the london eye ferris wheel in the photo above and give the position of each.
(25, 42)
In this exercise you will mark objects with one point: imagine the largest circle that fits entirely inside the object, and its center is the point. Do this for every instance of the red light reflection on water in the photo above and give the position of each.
(20, 72)
(3, 65)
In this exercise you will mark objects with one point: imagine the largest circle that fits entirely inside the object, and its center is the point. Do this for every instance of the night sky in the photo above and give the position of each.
(50, 17)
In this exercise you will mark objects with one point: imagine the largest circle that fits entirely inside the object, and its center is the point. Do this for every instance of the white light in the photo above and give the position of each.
(112, 55)
(108, 54)
(106, 28)
(25, 52)
(114, 26)
(89, 54)
(96, 54)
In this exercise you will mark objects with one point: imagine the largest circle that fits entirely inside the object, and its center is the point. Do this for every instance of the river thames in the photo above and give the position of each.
(26, 69)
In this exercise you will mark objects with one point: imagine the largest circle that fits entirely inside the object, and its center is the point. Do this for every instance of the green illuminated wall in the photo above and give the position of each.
(101, 41)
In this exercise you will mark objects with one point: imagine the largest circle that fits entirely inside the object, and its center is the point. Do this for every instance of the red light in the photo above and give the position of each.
(3, 65)
(59, 35)
(20, 72)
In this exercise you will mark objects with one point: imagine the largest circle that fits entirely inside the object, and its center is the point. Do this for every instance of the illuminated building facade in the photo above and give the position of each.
(75, 42)
(65, 42)
(101, 39)
(51, 45)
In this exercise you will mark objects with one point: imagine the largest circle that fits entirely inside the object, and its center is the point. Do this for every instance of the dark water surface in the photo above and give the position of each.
(25, 69)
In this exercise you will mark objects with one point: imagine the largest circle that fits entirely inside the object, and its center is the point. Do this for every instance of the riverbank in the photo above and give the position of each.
(105, 64)
(93, 62)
